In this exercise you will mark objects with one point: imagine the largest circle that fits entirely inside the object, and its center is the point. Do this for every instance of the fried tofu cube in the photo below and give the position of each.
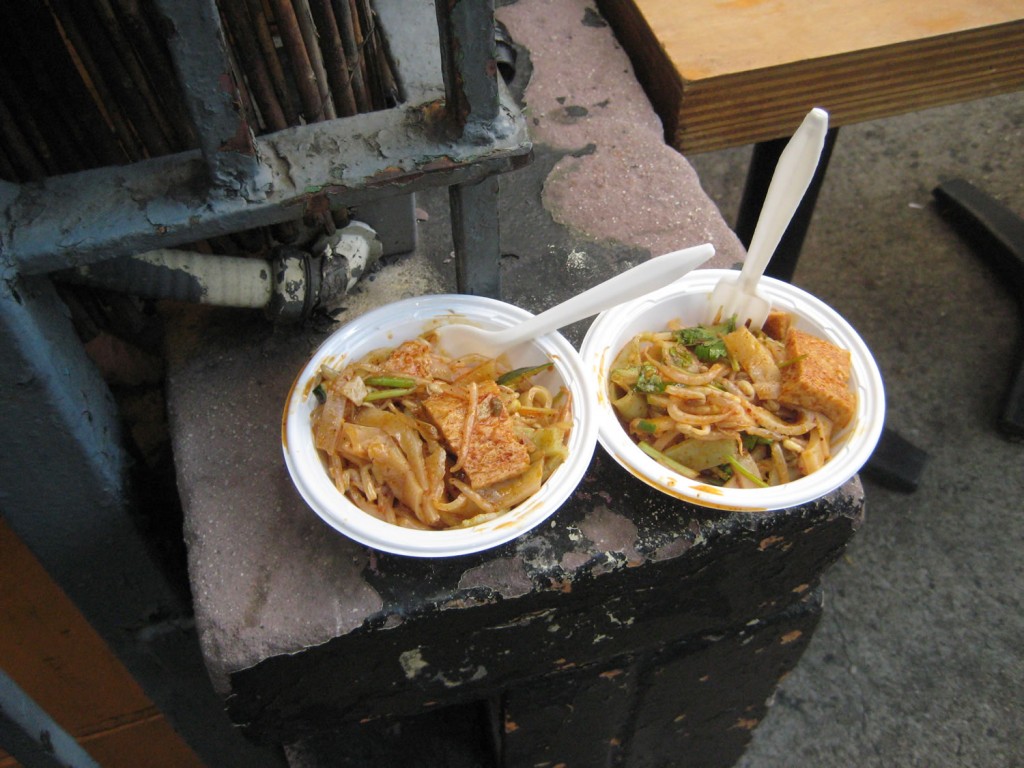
(495, 451)
(818, 377)
(777, 324)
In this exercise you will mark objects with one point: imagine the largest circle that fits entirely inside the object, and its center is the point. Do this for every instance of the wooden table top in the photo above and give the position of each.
(725, 73)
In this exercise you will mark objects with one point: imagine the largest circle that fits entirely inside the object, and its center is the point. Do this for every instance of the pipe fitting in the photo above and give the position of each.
(289, 287)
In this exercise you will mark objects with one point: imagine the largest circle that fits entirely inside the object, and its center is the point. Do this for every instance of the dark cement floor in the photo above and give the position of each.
(919, 659)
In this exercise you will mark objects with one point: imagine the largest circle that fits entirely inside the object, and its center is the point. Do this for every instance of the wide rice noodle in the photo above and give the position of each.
(705, 420)
(389, 458)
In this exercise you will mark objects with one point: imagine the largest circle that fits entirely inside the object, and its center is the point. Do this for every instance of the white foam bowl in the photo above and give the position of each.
(389, 326)
(687, 301)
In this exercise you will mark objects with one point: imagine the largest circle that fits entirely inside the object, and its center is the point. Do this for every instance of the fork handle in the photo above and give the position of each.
(631, 284)
(792, 176)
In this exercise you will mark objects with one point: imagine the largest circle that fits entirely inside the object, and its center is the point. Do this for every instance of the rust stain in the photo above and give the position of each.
(442, 163)
(790, 637)
(384, 175)
(240, 142)
(510, 726)
(611, 674)
(227, 82)
(769, 541)
(801, 588)
(746, 723)
(317, 204)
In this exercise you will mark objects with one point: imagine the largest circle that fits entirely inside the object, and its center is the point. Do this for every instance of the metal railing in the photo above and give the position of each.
(63, 468)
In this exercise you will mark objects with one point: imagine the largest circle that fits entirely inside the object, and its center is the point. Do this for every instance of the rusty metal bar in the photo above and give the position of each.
(468, 60)
(469, 68)
(474, 209)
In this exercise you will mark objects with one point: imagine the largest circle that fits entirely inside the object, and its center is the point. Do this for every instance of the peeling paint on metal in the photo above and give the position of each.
(412, 663)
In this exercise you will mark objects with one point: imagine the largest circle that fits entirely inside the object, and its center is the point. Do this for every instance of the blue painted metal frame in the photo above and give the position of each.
(33, 737)
(62, 472)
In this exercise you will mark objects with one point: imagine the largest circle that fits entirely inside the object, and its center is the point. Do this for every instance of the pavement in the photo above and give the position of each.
(919, 659)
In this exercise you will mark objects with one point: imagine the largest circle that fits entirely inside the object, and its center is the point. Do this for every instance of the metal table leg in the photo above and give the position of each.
(998, 236)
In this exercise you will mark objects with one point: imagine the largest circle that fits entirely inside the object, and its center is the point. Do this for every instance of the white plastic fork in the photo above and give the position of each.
(458, 339)
(797, 164)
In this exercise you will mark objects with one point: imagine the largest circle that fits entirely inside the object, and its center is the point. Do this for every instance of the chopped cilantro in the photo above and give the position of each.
(649, 380)
(697, 334)
(706, 341)
(710, 351)
(681, 356)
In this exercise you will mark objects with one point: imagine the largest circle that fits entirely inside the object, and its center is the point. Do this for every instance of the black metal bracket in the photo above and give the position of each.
(997, 235)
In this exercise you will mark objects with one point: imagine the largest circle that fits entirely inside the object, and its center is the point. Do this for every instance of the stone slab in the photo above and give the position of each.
(297, 622)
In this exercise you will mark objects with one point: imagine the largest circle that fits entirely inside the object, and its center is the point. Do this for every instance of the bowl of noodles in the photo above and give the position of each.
(729, 418)
(408, 448)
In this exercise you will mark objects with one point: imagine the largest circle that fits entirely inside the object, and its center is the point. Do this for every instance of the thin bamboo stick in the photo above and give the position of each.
(96, 83)
(242, 34)
(343, 14)
(30, 167)
(27, 88)
(372, 54)
(360, 41)
(134, 70)
(121, 84)
(250, 108)
(258, 17)
(310, 37)
(305, 81)
(334, 57)
(66, 109)
(383, 62)
(157, 61)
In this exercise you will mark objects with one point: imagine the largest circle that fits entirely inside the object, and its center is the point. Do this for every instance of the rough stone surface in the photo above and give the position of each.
(619, 181)
(460, 629)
